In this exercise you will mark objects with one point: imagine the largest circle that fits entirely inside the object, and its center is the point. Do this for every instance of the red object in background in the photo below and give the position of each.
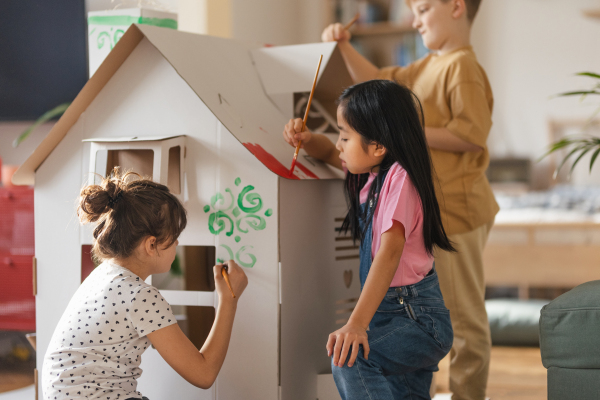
(17, 303)
(87, 265)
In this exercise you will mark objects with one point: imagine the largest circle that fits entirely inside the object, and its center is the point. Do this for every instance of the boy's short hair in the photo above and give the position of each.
(472, 7)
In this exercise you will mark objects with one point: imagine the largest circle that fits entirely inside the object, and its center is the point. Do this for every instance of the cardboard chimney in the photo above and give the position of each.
(205, 116)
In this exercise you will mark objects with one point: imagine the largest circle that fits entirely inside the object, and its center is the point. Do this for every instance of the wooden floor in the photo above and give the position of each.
(516, 373)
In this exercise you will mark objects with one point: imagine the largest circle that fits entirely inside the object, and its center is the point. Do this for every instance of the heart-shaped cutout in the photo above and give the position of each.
(348, 278)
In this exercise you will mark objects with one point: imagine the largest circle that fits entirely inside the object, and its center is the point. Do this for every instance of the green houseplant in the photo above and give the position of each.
(578, 146)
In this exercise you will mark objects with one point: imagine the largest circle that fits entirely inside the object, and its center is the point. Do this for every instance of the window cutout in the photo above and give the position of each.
(174, 173)
(87, 262)
(140, 161)
(191, 270)
(195, 322)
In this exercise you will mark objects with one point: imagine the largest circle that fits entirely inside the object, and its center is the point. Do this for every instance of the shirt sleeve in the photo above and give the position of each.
(471, 113)
(150, 311)
(401, 203)
(399, 74)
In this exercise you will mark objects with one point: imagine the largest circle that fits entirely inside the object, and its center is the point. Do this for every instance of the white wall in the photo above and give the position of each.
(531, 50)
(279, 22)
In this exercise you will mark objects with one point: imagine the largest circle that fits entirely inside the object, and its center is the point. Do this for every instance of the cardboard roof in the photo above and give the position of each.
(233, 79)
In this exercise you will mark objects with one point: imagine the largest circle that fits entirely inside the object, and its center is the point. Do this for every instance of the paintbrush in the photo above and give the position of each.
(312, 92)
(226, 277)
(352, 21)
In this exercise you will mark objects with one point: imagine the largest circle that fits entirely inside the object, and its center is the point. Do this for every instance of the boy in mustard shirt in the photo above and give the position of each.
(457, 103)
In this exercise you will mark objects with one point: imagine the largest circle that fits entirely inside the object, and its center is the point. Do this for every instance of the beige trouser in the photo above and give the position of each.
(463, 287)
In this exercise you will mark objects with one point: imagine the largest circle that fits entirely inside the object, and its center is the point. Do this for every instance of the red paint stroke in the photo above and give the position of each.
(273, 164)
(306, 171)
(260, 127)
(269, 45)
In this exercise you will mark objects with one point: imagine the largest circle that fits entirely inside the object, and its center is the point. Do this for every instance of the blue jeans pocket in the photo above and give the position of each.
(436, 323)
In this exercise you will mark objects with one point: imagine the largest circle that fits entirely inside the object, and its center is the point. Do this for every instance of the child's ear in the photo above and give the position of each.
(380, 151)
(150, 245)
(459, 8)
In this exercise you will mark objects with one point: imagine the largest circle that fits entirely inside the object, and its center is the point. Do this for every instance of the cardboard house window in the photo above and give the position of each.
(195, 322)
(192, 270)
(157, 158)
(322, 117)
(174, 173)
(87, 263)
(140, 161)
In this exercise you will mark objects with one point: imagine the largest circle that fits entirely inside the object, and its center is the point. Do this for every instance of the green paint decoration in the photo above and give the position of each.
(238, 181)
(236, 212)
(253, 198)
(206, 208)
(126, 20)
(244, 263)
(219, 218)
(269, 212)
(229, 252)
(237, 239)
(253, 221)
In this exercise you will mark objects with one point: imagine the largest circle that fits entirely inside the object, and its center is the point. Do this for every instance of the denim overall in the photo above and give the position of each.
(408, 335)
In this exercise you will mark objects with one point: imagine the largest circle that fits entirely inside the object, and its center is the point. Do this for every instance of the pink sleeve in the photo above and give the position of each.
(401, 203)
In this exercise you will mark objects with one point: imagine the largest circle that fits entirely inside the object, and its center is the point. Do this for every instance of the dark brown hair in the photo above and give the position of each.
(126, 209)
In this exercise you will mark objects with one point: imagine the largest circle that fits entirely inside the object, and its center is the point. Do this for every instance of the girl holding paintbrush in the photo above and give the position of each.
(400, 328)
(115, 316)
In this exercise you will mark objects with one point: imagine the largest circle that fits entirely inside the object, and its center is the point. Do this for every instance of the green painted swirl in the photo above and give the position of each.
(218, 201)
(252, 221)
(219, 218)
(245, 263)
(253, 199)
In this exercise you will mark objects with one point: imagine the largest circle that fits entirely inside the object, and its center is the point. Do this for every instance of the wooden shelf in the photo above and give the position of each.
(381, 28)
(592, 13)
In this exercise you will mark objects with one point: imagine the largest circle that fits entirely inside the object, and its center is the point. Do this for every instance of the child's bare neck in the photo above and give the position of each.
(459, 40)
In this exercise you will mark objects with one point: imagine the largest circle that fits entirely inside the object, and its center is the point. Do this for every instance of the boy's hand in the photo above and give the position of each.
(335, 33)
(237, 278)
(292, 133)
(340, 342)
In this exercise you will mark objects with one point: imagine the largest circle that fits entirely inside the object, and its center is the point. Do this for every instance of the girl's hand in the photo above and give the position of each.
(340, 341)
(237, 278)
(335, 33)
(292, 133)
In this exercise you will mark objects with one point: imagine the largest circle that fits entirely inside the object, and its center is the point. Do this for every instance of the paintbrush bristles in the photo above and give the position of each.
(312, 93)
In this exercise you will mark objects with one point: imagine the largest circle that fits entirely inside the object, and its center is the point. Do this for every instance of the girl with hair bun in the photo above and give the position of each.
(114, 316)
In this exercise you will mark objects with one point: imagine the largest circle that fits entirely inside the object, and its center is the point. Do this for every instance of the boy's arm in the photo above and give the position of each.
(382, 271)
(361, 69)
(471, 121)
(200, 368)
(443, 139)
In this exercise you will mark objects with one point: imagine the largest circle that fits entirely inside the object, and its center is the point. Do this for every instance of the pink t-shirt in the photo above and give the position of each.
(400, 201)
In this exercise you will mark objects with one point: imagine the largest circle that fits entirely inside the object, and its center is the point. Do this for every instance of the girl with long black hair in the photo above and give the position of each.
(400, 328)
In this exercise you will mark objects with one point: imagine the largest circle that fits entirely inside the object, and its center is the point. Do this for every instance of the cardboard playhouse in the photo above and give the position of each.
(205, 116)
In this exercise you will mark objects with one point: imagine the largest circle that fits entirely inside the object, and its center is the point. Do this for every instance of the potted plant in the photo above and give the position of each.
(578, 145)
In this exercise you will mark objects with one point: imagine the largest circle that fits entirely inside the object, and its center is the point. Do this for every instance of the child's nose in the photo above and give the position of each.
(338, 145)
(416, 22)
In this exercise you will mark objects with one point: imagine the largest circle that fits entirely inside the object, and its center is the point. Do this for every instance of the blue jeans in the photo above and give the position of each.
(408, 335)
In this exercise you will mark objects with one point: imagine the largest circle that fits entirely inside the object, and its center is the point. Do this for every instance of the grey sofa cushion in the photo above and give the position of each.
(514, 322)
(570, 329)
(580, 384)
